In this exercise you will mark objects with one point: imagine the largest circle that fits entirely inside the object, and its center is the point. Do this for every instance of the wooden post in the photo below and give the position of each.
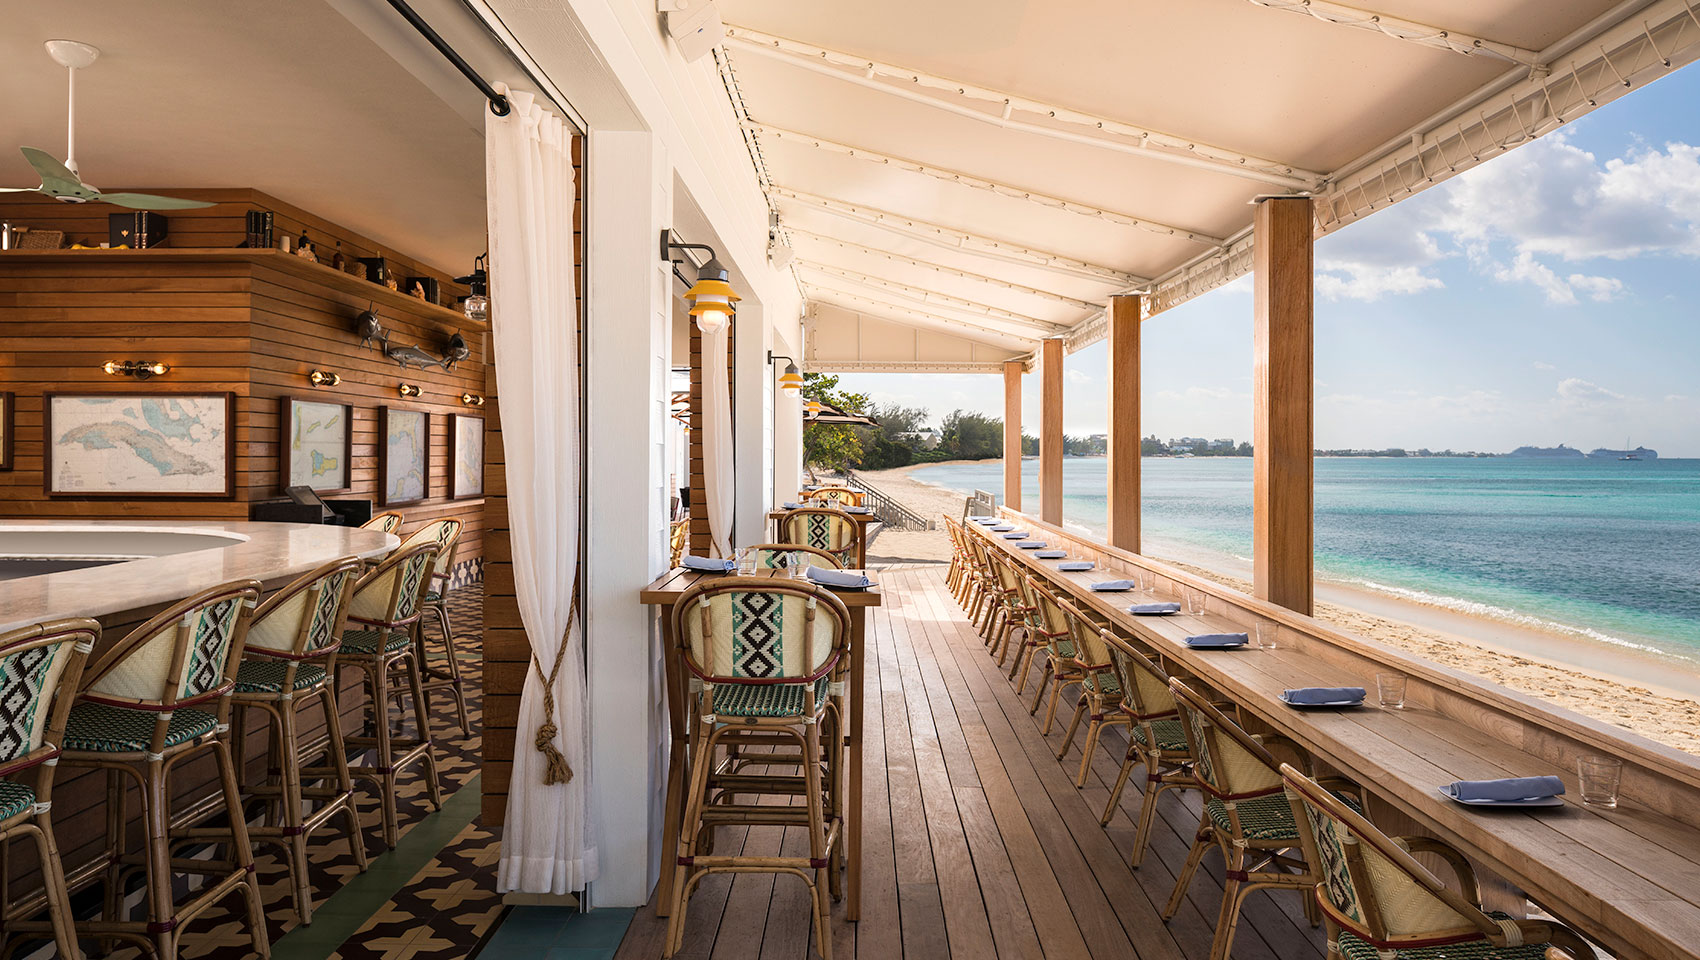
(1012, 433)
(1123, 451)
(1051, 432)
(1282, 396)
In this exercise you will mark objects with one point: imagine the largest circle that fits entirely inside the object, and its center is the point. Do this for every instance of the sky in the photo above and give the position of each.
(1550, 295)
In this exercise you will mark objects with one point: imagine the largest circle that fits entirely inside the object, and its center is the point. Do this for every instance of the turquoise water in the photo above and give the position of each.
(1599, 549)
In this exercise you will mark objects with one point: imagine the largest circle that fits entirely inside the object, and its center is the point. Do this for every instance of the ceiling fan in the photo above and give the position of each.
(61, 181)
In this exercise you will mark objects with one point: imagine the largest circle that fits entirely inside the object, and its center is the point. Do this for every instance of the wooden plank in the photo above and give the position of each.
(1051, 431)
(1283, 389)
(1123, 401)
(1012, 370)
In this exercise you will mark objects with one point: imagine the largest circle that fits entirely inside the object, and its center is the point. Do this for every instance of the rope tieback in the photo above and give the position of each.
(555, 768)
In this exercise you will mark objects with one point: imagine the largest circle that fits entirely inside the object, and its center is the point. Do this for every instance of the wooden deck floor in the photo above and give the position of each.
(977, 843)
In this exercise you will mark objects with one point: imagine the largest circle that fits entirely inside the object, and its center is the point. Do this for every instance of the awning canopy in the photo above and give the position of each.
(829, 413)
(990, 173)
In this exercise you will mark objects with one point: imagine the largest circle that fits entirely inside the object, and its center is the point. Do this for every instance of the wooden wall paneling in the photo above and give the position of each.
(1283, 388)
(1123, 453)
(1012, 370)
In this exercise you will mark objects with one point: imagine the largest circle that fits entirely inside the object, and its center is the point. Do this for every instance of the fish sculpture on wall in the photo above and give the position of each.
(403, 356)
(369, 329)
(456, 352)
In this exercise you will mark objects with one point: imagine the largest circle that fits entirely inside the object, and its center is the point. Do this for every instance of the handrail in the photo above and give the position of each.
(890, 511)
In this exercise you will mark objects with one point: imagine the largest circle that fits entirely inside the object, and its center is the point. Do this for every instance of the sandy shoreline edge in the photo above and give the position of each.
(1602, 682)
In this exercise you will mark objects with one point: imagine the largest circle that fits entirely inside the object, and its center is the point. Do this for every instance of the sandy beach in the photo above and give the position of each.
(1634, 692)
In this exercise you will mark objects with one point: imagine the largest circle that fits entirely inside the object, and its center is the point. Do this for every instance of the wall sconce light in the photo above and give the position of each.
(476, 304)
(711, 297)
(812, 408)
(408, 389)
(472, 399)
(140, 369)
(791, 381)
(320, 378)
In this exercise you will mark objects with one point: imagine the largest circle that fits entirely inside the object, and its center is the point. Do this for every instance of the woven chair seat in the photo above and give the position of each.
(1351, 948)
(1263, 818)
(1105, 683)
(99, 728)
(15, 798)
(766, 699)
(434, 596)
(266, 676)
(1171, 736)
(364, 643)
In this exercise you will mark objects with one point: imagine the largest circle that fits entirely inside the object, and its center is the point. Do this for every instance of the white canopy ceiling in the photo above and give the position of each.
(992, 171)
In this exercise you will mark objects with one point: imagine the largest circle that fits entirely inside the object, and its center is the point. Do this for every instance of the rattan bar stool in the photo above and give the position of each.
(953, 574)
(1379, 903)
(763, 652)
(1100, 702)
(40, 667)
(824, 528)
(1246, 815)
(156, 698)
(446, 534)
(1012, 607)
(379, 643)
(290, 659)
(1156, 740)
(1038, 630)
(1058, 651)
(387, 522)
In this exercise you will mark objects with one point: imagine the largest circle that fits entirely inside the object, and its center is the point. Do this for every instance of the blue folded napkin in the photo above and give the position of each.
(857, 509)
(1113, 586)
(984, 519)
(1074, 566)
(999, 528)
(1017, 535)
(1161, 606)
(1313, 695)
(1051, 554)
(1515, 788)
(708, 564)
(792, 506)
(1206, 640)
(1032, 544)
(838, 578)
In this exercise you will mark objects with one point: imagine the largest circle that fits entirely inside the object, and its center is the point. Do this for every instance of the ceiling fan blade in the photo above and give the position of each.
(56, 179)
(148, 201)
(20, 189)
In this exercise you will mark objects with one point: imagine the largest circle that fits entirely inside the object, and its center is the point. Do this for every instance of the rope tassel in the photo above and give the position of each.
(555, 767)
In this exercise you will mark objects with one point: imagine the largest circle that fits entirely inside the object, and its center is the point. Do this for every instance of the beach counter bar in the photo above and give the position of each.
(120, 573)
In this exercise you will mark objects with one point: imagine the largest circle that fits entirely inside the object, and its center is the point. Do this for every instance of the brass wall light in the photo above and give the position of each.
(472, 399)
(140, 369)
(408, 389)
(321, 378)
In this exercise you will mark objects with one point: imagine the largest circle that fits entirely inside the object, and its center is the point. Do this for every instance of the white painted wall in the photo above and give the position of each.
(628, 202)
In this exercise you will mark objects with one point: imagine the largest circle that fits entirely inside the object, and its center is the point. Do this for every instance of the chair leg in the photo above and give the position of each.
(1056, 694)
(241, 851)
(53, 885)
(1080, 707)
(1147, 813)
(817, 841)
(1200, 845)
(455, 687)
(156, 816)
(1233, 891)
(1044, 681)
(117, 821)
(344, 781)
(422, 720)
(1094, 729)
(1131, 760)
(289, 762)
(702, 761)
(377, 679)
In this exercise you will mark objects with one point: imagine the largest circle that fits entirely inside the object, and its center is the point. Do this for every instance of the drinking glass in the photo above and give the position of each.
(1391, 688)
(1194, 601)
(1266, 634)
(1600, 777)
(746, 562)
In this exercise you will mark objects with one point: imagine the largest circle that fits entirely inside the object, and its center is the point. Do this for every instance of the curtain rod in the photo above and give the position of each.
(498, 104)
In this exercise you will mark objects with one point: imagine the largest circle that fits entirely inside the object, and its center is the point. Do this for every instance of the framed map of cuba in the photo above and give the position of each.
(466, 456)
(317, 445)
(404, 456)
(158, 444)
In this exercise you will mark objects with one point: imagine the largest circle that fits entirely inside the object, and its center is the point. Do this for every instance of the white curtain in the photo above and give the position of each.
(717, 438)
(529, 183)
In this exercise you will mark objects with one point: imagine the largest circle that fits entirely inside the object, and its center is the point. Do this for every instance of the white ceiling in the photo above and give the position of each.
(291, 98)
(846, 101)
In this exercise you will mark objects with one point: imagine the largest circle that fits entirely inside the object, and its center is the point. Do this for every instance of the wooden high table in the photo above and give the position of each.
(1628, 878)
(665, 593)
(863, 522)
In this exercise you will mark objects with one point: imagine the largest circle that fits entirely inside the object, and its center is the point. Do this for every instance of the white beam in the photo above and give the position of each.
(947, 271)
(903, 366)
(933, 298)
(858, 303)
(877, 294)
(1407, 30)
(980, 183)
(1083, 128)
(951, 238)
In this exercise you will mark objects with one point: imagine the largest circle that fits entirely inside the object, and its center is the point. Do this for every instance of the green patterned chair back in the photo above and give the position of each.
(772, 556)
(823, 528)
(1052, 617)
(1228, 763)
(760, 630)
(1145, 687)
(1032, 617)
(1370, 884)
(445, 533)
(37, 663)
(837, 495)
(386, 522)
(391, 594)
(185, 655)
(305, 618)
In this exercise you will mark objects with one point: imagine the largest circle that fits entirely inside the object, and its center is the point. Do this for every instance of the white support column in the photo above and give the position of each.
(752, 424)
(628, 202)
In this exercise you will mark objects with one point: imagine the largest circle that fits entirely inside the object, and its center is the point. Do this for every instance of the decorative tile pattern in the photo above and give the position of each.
(758, 635)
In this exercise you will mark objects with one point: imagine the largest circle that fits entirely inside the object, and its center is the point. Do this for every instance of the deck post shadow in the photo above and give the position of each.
(1283, 388)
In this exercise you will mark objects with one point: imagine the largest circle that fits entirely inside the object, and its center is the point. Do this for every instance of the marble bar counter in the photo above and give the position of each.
(103, 568)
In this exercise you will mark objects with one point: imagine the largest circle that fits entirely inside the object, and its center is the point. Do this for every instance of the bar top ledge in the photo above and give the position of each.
(269, 552)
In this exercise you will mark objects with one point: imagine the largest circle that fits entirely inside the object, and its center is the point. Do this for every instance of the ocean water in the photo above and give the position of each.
(1604, 550)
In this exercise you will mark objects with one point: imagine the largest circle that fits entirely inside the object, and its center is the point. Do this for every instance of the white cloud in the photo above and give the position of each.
(1369, 283)
(1559, 290)
(1077, 376)
(1543, 365)
(1576, 392)
(1601, 289)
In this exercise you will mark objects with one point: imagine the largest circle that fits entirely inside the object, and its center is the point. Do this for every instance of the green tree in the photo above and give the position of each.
(834, 446)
